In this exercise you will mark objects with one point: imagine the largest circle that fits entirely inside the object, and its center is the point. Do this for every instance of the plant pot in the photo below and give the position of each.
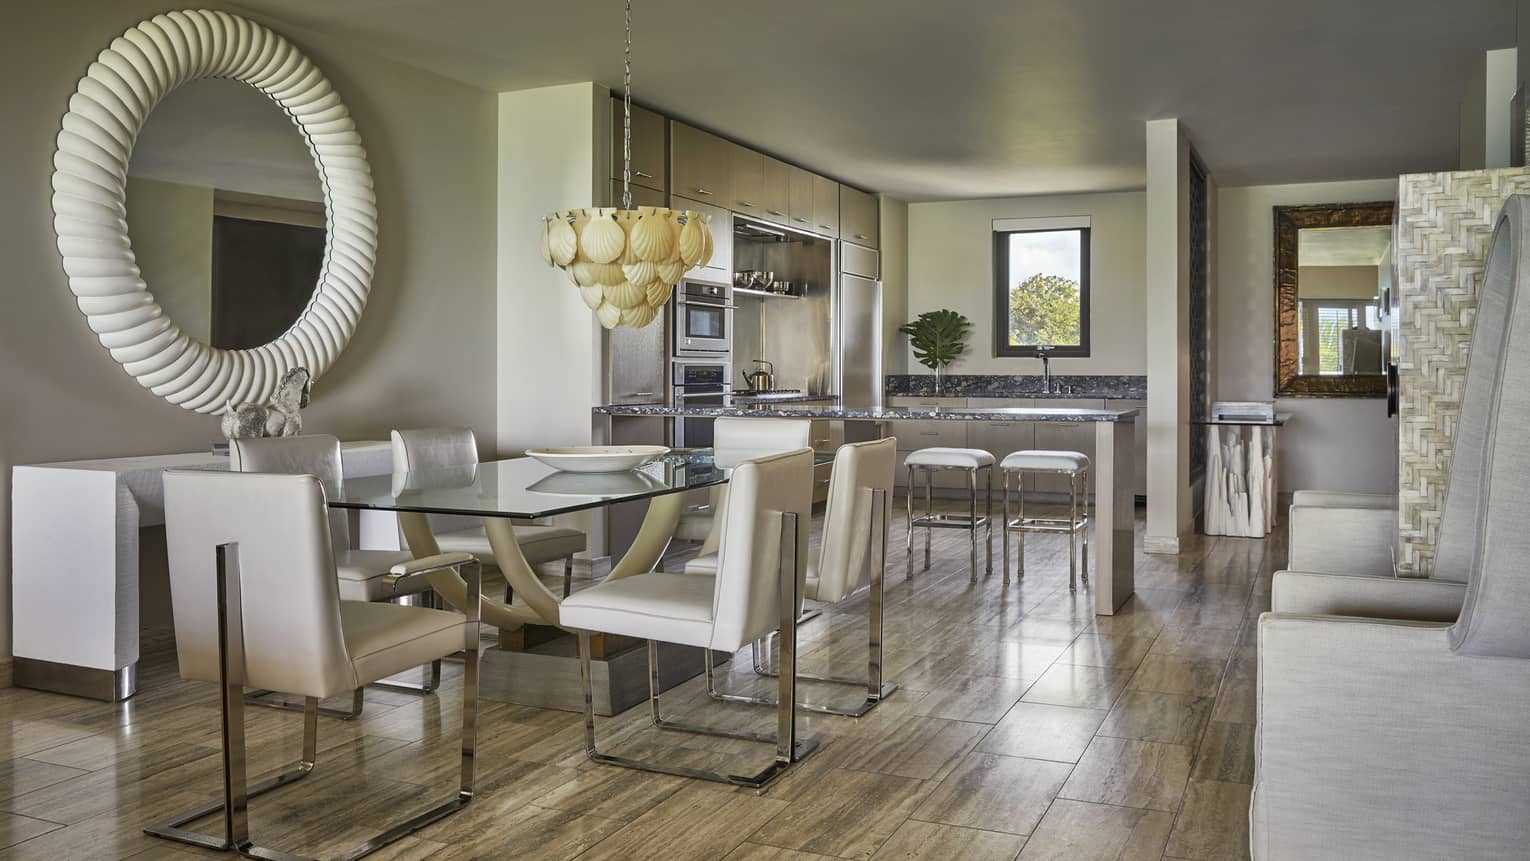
(940, 381)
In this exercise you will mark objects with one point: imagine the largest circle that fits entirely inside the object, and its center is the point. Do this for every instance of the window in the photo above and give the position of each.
(1041, 287)
(1337, 336)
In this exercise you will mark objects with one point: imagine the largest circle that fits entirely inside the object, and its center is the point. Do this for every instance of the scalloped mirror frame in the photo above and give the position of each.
(106, 113)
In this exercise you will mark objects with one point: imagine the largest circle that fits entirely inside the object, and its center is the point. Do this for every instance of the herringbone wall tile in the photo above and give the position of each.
(1444, 222)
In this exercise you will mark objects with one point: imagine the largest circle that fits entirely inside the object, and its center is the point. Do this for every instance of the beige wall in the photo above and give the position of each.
(424, 351)
(950, 265)
(1331, 443)
(894, 233)
(1338, 282)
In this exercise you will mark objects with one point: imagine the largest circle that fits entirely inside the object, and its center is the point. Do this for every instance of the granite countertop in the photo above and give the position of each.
(782, 398)
(1075, 386)
(862, 413)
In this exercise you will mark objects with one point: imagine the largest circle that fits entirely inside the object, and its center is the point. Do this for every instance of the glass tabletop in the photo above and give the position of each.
(525, 488)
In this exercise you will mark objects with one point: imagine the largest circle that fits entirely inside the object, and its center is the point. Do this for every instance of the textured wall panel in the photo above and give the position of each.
(1444, 222)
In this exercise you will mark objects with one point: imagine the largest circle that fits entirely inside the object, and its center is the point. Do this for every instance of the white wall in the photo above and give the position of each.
(950, 265)
(1485, 113)
(552, 157)
(1331, 443)
(1167, 330)
(423, 353)
(894, 258)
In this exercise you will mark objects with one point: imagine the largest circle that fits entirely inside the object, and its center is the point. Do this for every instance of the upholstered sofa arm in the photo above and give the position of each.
(1374, 740)
(1342, 540)
(1368, 597)
(431, 563)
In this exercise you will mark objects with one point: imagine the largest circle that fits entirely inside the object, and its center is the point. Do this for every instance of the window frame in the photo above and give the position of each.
(1001, 345)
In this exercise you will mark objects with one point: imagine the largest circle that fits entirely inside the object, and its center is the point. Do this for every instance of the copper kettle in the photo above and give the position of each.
(761, 379)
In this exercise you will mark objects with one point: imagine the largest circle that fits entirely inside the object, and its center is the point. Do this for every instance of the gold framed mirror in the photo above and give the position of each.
(1333, 274)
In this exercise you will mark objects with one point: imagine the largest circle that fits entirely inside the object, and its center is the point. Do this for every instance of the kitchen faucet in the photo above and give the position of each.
(1046, 369)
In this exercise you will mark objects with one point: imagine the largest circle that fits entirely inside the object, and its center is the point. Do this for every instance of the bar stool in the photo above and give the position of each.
(932, 460)
(1073, 464)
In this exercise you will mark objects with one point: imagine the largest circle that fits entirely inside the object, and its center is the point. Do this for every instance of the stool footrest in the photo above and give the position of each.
(951, 521)
(1047, 524)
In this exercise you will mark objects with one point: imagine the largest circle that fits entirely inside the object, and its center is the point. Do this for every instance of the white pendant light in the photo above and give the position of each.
(626, 261)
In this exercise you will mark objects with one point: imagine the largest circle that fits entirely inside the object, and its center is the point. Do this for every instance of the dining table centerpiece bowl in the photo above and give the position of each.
(597, 458)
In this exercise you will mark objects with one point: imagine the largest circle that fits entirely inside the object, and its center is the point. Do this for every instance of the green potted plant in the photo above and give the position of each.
(938, 338)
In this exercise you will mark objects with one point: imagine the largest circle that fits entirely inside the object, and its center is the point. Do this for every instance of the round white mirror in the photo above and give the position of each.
(214, 209)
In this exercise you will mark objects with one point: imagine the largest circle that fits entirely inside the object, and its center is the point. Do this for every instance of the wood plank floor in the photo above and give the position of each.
(1026, 727)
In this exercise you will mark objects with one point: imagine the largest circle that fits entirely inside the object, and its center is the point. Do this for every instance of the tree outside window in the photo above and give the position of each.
(1041, 292)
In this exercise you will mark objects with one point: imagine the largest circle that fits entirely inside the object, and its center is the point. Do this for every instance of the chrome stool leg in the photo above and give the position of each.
(1020, 519)
(988, 516)
(1005, 530)
(909, 546)
(972, 519)
(929, 512)
(1084, 571)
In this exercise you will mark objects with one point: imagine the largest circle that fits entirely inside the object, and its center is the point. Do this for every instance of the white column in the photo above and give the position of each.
(1114, 523)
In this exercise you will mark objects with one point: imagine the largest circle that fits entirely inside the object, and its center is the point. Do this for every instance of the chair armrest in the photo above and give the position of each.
(431, 563)
(1374, 740)
(1343, 540)
(1315, 594)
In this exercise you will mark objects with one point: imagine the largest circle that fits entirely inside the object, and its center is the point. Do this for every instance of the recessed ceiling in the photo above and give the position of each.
(971, 98)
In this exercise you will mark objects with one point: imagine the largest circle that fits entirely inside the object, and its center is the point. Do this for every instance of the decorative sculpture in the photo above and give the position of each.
(281, 417)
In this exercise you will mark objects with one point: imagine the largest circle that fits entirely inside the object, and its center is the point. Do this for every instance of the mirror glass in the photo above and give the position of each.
(226, 214)
(1341, 275)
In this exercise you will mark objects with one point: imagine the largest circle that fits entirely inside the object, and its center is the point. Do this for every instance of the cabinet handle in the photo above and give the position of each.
(700, 190)
(801, 220)
(639, 395)
(642, 174)
(776, 212)
(860, 236)
(825, 227)
(746, 203)
(929, 433)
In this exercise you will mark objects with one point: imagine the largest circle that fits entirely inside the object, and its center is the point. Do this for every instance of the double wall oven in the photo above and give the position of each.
(702, 352)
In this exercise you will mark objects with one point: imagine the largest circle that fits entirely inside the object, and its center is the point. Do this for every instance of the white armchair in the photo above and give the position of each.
(1403, 734)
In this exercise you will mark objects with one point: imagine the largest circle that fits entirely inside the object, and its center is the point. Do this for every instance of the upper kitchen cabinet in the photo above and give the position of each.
(858, 217)
(746, 168)
(649, 168)
(720, 267)
(825, 206)
(799, 199)
(699, 165)
(776, 192)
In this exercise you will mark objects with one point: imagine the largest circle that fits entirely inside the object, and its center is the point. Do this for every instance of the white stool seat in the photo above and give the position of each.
(1041, 459)
(968, 458)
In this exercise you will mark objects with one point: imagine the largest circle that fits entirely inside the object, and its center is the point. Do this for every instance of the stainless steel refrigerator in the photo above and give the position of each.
(860, 327)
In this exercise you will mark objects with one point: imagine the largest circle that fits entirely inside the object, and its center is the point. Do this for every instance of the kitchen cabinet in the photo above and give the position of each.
(1139, 479)
(1001, 438)
(825, 206)
(649, 167)
(799, 199)
(640, 196)
(858, 217)
(1065, 436)
(915, 435)
(746, 172)
(720, 267)
(776, 192)
(699, 165)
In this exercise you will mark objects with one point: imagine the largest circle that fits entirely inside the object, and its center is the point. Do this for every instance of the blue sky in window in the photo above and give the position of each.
(1052, 252)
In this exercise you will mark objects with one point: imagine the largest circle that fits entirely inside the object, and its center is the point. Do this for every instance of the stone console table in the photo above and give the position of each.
(1113, 464)
(1241, 466)
(74, 570)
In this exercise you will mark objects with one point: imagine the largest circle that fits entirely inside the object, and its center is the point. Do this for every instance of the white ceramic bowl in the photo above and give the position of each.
(597, 458)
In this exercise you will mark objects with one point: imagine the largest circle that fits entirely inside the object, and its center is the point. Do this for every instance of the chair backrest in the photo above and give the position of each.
(844, 558)
(317, 455)
(1503, 268)
(289, 598)
(739, 439)
(1492, 620)
(746, 597)
(431, 447)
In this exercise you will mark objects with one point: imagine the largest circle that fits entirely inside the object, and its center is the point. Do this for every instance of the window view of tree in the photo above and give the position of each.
(1041, 284)
(1043, 309)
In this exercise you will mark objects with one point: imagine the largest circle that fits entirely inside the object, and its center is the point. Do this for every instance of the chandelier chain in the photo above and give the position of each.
(627, 115)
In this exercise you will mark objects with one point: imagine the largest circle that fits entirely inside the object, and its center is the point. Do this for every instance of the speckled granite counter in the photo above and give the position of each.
(1102, 386)
(837, 412)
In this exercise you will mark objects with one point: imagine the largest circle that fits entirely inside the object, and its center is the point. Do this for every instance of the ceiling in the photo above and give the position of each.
(1342, 246)
(970, 98)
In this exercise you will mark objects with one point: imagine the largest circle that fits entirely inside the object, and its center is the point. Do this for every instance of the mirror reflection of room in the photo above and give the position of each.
(1342, 273)
(226, 214)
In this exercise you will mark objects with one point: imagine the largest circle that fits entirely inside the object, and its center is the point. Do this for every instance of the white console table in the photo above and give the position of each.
(74, 564)
(1240, 475)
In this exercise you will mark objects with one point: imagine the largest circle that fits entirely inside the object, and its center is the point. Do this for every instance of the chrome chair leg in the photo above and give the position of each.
(260, 698)
(876, 689)
(236, 789)
(788, 748)
(568, 576)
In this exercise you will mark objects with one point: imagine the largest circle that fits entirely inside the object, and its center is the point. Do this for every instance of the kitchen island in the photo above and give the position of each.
(1113, 463)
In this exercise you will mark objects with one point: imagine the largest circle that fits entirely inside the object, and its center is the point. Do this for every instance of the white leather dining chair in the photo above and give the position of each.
(256, 604)
(851, 555)
(761, 556)
(364, 574)
(736, 439)
(428, 448)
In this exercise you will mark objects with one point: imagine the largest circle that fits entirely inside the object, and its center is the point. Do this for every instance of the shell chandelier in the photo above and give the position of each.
(626, 261)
